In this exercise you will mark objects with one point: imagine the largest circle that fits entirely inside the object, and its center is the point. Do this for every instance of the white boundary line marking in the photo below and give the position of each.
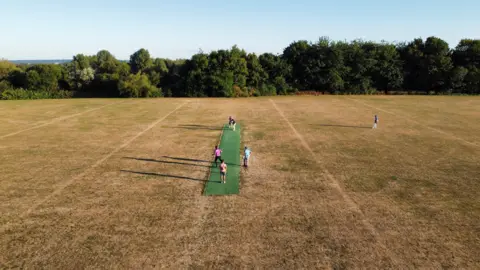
(416, 122)
(59, 119)
(352, 204)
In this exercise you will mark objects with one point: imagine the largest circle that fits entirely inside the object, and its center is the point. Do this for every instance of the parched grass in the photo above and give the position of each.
(76, 194)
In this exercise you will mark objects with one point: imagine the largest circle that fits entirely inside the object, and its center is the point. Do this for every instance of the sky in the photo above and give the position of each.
(59, 29)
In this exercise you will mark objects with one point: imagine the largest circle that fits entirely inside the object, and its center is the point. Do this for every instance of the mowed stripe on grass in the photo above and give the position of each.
(230, 145)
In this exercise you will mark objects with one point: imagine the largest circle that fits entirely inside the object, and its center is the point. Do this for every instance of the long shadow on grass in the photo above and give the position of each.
(199, 160)
(195, 127)
(167, 162)
(188, 159)
(324, 125)
(169, 176)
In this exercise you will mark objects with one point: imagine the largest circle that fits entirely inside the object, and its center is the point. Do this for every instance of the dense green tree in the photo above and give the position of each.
(278, 71)
(43, 77)
(466, 71)
(173, 81)
(324, 66)
(387, 73)
(438, 63)
(140, 61)
(137, 85)
(5, 68)
(256, 74)
(296, 55)
(359, 62)
(195, 83)
(360, 67)
(17, 78)
(105, 62)
(457, 78)
(414, 68)
(108, 72)
(81, 61)
(157, 71)
(237, 64)
(427, 65)
(80, 71)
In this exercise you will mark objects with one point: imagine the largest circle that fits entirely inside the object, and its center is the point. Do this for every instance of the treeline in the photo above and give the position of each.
(358, 67)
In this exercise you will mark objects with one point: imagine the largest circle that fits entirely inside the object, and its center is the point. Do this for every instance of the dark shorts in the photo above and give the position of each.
(218, 158)
(223, 173)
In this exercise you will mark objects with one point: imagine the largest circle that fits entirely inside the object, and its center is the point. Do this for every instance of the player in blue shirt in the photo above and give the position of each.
(375, 121)
(246, 156)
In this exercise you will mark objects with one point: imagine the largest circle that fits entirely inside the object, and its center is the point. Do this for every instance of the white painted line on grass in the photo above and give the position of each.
(58, 119)
(416, 122)
(352, 204)
(67, 183)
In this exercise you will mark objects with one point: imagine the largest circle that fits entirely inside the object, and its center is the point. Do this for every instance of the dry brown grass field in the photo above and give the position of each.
(117, 183)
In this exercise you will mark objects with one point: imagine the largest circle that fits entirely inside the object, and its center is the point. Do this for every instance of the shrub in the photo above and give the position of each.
(308, 93)
(43, 77)
(240, 92)
(137, 85)
(156, 93)
(19, 93)
(168, 92)
(370, 91)
(5, 85)
(268, 90)
(281, 85)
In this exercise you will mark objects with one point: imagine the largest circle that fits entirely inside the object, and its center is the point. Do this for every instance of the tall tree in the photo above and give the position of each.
(105, 62)
(43, 77)
(387, 73)
(465, 75)
(296, 56)
(359, 61)
(137, 85)
(256, 74)
(157, 71)
(140, 61)
(414, 69)
(5, 68)
(81, 73)
(438, 63)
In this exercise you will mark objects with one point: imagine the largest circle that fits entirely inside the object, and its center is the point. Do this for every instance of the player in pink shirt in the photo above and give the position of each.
(218, 154)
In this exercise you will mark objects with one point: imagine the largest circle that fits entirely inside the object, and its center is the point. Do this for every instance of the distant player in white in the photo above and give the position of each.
(375, 121)
(233, 124)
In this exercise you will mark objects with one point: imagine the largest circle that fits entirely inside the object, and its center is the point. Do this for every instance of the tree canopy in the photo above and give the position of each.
(358, 67)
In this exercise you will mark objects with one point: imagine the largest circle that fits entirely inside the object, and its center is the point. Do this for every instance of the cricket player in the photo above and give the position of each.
(230, 121)
(233, 124)
(246, 156)
(375, 121)
(218, 154)
(223, 171)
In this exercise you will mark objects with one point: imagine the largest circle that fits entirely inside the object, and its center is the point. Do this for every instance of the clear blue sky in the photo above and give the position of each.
(54, 29)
